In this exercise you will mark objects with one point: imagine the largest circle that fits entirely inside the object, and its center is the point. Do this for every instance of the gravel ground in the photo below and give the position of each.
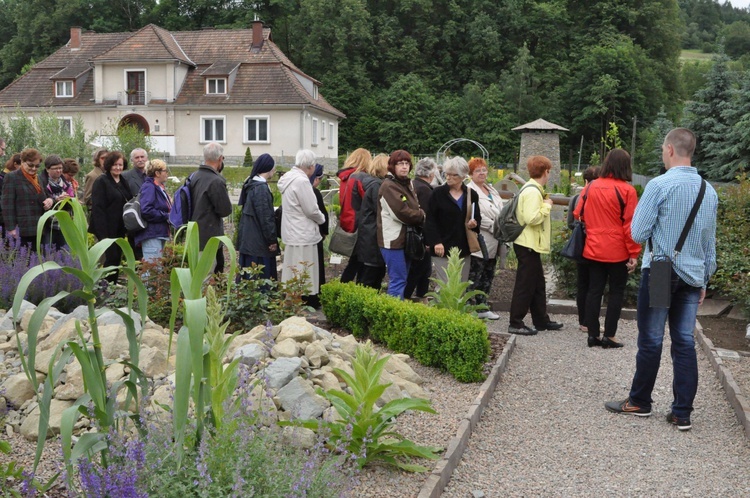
(740, 370)
(546, 432)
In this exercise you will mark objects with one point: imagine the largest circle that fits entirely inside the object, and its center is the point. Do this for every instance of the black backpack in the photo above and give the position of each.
(506, 227)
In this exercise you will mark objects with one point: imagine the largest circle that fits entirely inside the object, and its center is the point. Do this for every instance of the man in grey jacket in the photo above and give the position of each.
(208, 191)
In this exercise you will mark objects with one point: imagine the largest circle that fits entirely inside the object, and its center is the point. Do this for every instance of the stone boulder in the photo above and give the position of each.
(6, 323)
(281, 371)
(46, 325)
(72, 389)
(251, 354)
(296, 328)
(264, 334)
(63, 330)
(114, 341)
(17, 389)
(347, 343)
(112, 318)
(316, 354)
(157, 338)
(30, 426)
(299, 398)
(153, 362)
(399, 368)
(325, 380)
(114, 372)
(286, 348)
(299, 437)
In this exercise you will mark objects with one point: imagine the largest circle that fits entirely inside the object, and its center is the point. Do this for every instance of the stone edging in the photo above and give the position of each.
(738, 401)
(441, 474)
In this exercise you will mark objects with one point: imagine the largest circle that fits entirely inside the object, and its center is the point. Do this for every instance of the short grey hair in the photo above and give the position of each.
(212, 152)
(305, 158)
(425, 167)
(133, 152)
(456, 166)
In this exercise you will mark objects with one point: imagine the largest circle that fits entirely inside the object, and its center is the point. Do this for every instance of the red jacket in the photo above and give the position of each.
(347, 216)
(608, 238)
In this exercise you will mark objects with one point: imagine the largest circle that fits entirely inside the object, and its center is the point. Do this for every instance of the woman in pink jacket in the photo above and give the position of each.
(606, 207)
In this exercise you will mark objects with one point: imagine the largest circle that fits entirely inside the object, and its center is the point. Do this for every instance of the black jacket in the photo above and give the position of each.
(107, 199)
(446, 223)
(424, 192)
(208, 191)
(257, 228)
(367, 249)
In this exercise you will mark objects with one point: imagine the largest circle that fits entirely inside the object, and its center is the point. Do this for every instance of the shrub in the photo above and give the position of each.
(248, 161)
(451, 341)
(452, 293)
(732, 276)
(15, 261)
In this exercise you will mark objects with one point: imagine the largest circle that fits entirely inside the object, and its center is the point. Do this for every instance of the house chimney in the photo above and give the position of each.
(75, 38)
(257, 34)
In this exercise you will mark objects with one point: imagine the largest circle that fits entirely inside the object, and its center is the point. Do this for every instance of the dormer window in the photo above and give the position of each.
(216, 86)
(315, 92)
(64, 88)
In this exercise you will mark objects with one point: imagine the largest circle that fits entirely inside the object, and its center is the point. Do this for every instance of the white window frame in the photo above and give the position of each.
(315, 91)
(69, 119)
(135, 70)
(205, 118)
(331, 129)
(65, 84)
(323, 130)
(315, 132)
(246, 128)
(208, 85)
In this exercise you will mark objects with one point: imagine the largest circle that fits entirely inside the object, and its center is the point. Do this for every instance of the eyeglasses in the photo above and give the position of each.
(32, 165)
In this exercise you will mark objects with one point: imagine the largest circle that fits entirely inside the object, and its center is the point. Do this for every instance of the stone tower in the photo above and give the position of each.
(540, 138)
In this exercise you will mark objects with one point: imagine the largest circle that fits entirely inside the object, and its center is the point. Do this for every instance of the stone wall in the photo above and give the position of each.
(329, 163)
(539, 143)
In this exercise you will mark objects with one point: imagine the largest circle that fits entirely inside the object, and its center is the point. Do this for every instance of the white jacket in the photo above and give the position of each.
(489, 209)
(300, 215)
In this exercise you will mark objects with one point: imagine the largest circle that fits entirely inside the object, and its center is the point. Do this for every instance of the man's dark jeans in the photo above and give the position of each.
(651, 321)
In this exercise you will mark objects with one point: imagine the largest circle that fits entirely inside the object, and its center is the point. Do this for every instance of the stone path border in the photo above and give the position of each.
(732, 391)
(441, 474)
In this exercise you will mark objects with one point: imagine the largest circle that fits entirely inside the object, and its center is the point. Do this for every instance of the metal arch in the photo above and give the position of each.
(441, 151)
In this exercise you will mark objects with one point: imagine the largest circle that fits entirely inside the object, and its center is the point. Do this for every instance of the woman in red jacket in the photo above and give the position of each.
(608, 204)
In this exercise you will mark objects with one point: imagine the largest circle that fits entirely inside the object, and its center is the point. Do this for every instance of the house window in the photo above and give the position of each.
(66, 125)
(216, 86)
(213, 129)
(257, 129)
(315, 92)
(323, 130)
(330, 135)
(315, 131)
(63, 88)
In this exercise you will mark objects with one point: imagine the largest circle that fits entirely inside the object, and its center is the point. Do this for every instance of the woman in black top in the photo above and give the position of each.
(108, 196)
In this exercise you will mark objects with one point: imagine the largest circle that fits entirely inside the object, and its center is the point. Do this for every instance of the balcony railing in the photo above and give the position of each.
(133, 97)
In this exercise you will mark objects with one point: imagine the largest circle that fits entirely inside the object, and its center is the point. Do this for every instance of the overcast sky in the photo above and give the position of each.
(740, 3)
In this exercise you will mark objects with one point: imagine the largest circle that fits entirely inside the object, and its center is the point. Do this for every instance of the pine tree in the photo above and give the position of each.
(734, 157)
(653, 138)
(248, 162)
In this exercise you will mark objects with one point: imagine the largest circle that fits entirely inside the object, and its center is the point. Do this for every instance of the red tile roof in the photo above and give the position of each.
(264, 76)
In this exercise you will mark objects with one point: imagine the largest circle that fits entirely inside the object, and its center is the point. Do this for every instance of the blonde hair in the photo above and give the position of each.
(155, 165)
(378, 166)
(359, 159)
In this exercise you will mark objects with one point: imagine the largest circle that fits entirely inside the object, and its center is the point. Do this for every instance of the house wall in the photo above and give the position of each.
(160, 80)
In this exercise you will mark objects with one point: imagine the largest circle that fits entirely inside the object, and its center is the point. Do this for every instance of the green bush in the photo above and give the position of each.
(732, 276)
(455, 342)
(248, 161)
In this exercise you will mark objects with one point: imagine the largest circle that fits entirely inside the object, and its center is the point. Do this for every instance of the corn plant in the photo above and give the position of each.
(199, 372)
(101, 397)
(452, 293)
(365, 431)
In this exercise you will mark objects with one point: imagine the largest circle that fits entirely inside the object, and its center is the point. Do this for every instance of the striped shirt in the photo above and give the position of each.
(662, 213)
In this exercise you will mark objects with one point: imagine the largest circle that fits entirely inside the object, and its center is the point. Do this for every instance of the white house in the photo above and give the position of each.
(184, 89)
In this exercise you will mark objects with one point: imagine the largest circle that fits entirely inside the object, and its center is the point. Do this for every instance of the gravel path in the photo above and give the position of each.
(546, 432)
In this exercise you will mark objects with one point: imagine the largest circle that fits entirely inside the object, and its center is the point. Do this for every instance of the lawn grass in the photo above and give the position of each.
(695, 54)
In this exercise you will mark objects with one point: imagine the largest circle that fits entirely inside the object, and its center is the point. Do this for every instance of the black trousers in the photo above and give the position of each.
(371, 276)
(583, 290)
(530, 290)
(419, 277)
(353, 269)
(113, 257)
(599, 274)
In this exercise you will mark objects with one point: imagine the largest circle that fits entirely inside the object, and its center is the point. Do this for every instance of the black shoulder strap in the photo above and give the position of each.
(622, 205)
(688, 223)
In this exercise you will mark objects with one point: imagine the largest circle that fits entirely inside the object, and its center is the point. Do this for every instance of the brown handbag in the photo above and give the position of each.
(471, 236)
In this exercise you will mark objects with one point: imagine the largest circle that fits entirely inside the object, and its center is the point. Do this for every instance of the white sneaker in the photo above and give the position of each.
(489, 315)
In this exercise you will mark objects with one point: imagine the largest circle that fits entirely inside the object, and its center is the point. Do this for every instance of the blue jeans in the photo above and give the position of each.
(398, 270)
(152, 249)
(651, 321)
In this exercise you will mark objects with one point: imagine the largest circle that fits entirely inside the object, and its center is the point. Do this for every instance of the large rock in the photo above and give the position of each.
(336, 362)
(250, 354)
(6, 323)
(299, 398)
(73, 387)
(264, 334)
(30, 426)
(240, 341)
(114, 341)
(114, 372)
(281, 371)
(325, 380)
(399, 368)
(296, 328)
(153, 362)
(157, 338)
(316, 354)
(112, 318)
(299, 437)
(46, 325)
(17, 389)
(65, 328)
(347, 343)
(287, 348)
(322, 334)
(263, 406)
(391, 393)
(41, 363)
(408, 389)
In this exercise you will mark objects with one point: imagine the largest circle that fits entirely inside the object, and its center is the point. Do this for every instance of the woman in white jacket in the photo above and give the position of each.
(299, 224)
(482, 271)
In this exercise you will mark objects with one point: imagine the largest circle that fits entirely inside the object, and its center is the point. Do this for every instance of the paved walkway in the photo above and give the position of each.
(546, 432)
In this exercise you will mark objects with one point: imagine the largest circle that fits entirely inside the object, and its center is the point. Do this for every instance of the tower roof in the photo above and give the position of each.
(540, 125)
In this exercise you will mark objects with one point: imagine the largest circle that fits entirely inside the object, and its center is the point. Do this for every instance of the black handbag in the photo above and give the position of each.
(414, 245)
(573, 248)
(483, 247)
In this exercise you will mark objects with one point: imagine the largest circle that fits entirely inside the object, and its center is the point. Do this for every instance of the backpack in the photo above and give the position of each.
(182, 205)
(131, 215)
(506, 227)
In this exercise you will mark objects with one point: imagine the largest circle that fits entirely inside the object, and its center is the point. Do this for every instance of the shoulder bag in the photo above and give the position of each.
(573, 248)
(342, 242)
(414, 244)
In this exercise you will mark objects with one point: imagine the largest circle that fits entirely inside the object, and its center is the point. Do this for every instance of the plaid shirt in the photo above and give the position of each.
(22, 205)
(662, 213)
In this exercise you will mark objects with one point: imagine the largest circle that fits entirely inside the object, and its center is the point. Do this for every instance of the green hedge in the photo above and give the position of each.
(454, 342)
